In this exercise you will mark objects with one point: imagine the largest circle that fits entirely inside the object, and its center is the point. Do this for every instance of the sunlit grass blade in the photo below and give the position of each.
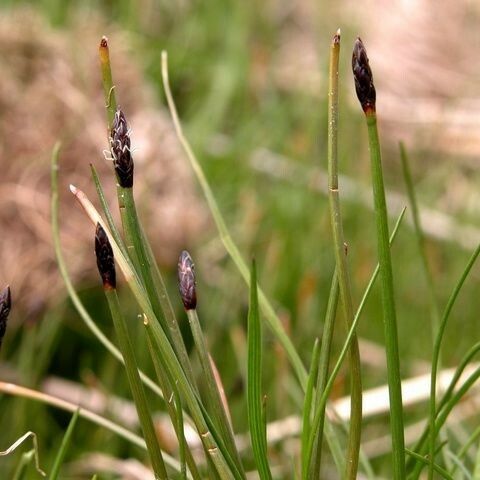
(106, 268)
(256, 418)
(19, 442)
(77, 303)
(309, 404)
(230, 246)
(354, 435)
(324, 365)
(107, 81)
(129, 436)
(367, 96)
(60, 456)
(323, 400)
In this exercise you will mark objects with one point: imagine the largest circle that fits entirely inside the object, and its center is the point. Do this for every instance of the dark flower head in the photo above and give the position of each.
(105, 259)
(120, 149)
(5, 306)
(363, 77)
(186, 281)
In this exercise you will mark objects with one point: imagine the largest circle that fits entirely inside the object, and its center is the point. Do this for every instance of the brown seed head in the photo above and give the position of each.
(5, 306)
(105, 259)
(120, 149)
(363, 77)
(186, 281)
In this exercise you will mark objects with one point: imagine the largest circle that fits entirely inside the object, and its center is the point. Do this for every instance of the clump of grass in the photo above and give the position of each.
(199, 399)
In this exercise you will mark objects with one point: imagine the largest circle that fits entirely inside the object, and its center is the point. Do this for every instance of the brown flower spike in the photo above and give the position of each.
(105, 259)
(186, 281)
(120, 149)
(5, 306)
(363, 77)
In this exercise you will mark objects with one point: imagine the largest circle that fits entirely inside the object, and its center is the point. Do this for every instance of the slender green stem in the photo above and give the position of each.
(328, 387)
(436, 355)
(136, 386)
(388, 301)
(169, 386)
(136, 243)
(107, 81)
(353, 449)
(324, 365)
(436, 467)
(230, 246)
(63, 447)
(412, 200)
(219, 414)
(85, 316)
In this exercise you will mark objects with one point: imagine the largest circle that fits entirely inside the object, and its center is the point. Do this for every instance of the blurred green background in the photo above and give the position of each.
(249, 78)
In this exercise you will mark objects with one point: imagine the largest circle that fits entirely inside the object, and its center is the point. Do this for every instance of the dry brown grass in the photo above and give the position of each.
(49, 90)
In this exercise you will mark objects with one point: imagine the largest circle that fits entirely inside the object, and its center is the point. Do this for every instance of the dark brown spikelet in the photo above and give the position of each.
(105, 259)
(120, 149)
(186, 281)
(5, 306)
(363, 77)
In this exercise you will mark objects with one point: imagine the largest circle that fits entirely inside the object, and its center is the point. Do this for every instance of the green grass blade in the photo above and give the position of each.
(136, 387)
(443, 473)
(63, 447)
(107, 81)
(29, 455)
(77, 303)
(256, 419)
(436, 354)
(354, 436)
(230, 246)
(214, 399)
(412, 200)
(388, 302)
(323, 400)
(308, 404)
(174, 409)
(324, 365)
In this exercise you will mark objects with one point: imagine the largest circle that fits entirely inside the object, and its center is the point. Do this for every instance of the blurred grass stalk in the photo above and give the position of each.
(230, 246)
(353, 449)
(367, 97)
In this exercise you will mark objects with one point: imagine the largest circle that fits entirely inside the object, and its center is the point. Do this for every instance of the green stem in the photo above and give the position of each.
(230, 246)
(136, 386)
(324, 365)
(342, 269)
(388, 301)
(142, 256)
(219, 414)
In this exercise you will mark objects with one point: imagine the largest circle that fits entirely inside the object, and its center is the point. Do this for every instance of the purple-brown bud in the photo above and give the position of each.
(120, 149)
(5, 306)
(363, 77)
(186, 281)
(105, 259)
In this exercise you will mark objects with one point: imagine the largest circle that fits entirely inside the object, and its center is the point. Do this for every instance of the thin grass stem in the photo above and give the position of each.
(354, 436)
(230, 246)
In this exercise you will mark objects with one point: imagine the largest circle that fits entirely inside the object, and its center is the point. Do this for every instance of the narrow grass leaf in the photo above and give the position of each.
(60, 456)
(19, 442)
(256, 417)
(308, 404)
